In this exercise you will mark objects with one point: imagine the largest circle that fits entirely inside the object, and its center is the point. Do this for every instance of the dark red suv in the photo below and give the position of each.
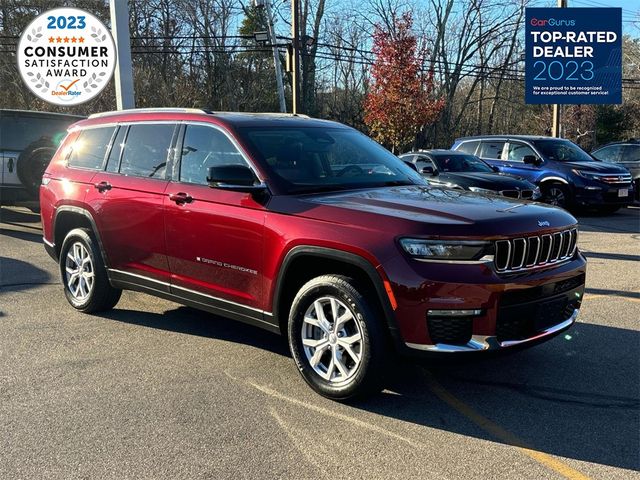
(307, 228)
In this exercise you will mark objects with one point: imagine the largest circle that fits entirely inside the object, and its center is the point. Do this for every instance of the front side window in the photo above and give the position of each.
(517, 152)
(306, 159)
(631, 153)
(492, 150)
(204, 147)
(90, 148)
(146, 150)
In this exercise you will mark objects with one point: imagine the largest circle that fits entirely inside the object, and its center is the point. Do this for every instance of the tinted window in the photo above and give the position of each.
(631, 153)
(146, 150)
(90, 148)
(19, 130)
(608, 154)
(205, 147)
(468, 147)
(517, 151)
(113, 162)
(562, 150)
(461, 163)
(305, 159)
(491, 150)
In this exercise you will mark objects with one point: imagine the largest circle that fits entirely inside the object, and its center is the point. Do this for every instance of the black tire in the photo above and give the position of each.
(100, 294)
(32, 163)
(557, 194)
(365, 377)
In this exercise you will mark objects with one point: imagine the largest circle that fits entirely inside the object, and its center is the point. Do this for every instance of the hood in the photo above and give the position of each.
(491, 181)
(596, 166)
(430, 211)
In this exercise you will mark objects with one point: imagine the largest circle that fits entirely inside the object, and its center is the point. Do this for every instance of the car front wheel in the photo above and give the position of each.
(337, 339)
(557, 195)
(84, 276)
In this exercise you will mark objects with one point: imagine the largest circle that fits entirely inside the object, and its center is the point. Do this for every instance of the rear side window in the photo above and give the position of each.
(205, 147)
(90, 148)
(491, 150)
(468, 147)
(146, 150)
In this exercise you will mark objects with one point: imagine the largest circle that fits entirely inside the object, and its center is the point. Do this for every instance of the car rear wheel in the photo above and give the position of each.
(84, 276)
(557, 195)
(336, 338)
(32, 164)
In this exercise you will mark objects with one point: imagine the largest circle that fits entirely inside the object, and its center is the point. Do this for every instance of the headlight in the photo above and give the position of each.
(536, 193)
(445, 249)
(589, 175)
(486, 191)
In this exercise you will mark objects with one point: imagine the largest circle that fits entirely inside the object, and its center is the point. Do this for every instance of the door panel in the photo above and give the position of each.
(215, 237)
(129, 208)
(214, 243)
(513, 164)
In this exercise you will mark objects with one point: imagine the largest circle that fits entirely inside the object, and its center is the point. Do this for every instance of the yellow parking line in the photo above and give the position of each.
(500, 433)
(593, 296)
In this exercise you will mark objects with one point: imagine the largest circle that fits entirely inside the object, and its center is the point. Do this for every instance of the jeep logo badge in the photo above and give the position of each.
(543, 223)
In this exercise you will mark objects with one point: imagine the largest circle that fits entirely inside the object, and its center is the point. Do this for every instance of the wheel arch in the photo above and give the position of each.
(68, 217)
(302, 263)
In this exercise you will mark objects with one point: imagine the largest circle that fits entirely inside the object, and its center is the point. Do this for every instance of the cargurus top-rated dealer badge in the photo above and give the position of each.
(66, 56)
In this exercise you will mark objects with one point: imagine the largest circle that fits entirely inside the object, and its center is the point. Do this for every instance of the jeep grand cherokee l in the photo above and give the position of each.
(567, 175)
(307, 228)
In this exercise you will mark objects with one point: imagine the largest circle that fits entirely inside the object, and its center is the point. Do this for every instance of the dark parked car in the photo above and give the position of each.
(626, 154)
(28, 140)
(306, 228)
(451, 169)
(566, 174)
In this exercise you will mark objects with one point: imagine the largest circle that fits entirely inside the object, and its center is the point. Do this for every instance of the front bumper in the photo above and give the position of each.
(504, 311)
(603, 195)
(491, 342)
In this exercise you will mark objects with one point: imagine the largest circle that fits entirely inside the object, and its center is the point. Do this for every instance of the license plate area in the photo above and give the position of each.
(550, 313)
(623, 192)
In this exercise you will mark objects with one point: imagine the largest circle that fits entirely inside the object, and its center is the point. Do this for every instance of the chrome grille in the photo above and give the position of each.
(523, 253)
(614, 178)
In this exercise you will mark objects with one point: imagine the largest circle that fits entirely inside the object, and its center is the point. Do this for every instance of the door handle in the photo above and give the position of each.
(102, 186)
(180, 198)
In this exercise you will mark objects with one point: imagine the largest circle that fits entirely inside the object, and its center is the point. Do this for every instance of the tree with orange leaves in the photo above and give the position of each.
(400, 98)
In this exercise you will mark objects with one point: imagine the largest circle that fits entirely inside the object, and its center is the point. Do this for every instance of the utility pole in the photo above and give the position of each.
(557, 109)
(125, 97)
(276, 57)
(295, 67)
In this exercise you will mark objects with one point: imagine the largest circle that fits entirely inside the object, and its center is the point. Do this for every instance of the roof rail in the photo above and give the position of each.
(151, 110)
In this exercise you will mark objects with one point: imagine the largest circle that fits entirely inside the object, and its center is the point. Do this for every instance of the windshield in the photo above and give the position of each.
(460, 163)
(311, 159)
(562, 151)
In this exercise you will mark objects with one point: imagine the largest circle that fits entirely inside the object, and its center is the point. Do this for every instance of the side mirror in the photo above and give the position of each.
(531, 160)
(238, 178)
(410, 165)
(428, 170)
(495, 169)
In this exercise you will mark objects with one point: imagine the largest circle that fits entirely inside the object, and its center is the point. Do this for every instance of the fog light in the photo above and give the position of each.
(454, 313)
(592, 188)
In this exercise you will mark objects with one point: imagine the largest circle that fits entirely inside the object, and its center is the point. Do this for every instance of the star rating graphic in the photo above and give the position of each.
(66, 40)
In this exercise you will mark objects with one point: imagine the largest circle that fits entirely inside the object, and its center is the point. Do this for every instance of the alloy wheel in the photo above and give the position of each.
(556, 197)
(332, 339)
(79, 272)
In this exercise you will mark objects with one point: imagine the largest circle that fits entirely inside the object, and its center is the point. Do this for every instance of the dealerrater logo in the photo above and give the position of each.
(66, 56)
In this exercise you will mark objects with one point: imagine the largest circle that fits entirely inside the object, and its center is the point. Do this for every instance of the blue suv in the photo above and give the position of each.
(566, 174)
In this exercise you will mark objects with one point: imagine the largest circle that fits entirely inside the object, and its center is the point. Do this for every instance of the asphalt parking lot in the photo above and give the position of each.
(156, 390)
